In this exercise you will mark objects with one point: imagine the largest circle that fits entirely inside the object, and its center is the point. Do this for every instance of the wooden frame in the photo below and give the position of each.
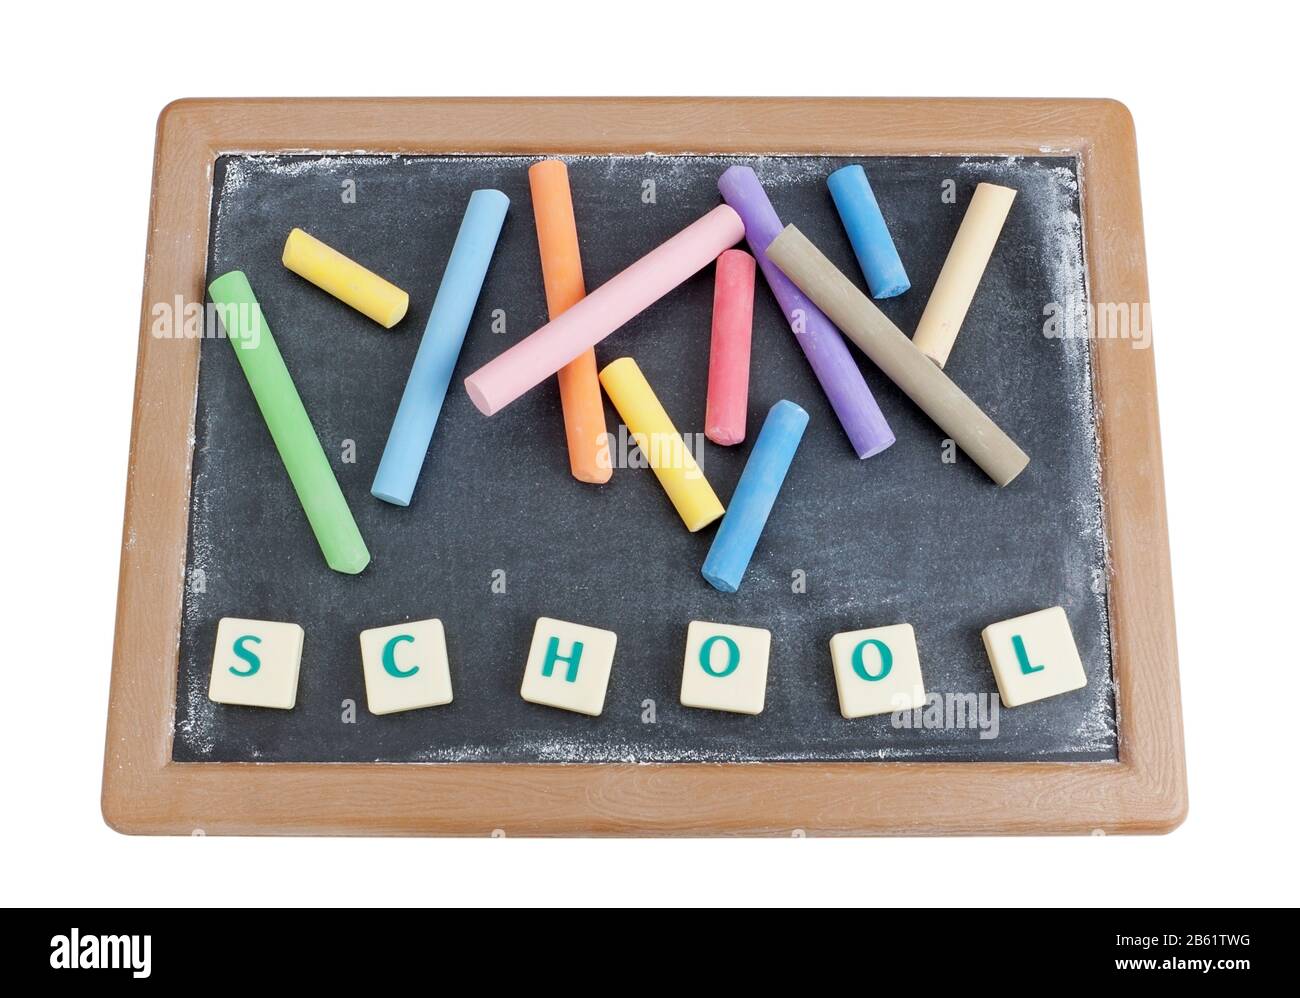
(146, 792)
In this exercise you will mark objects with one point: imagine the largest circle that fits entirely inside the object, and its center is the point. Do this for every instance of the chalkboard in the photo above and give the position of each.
(907, 536)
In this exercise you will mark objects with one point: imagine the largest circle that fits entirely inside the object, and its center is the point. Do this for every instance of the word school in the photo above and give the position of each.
(877, 670)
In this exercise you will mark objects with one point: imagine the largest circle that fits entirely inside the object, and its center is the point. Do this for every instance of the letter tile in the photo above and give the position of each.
(568, 666)
(406, 666)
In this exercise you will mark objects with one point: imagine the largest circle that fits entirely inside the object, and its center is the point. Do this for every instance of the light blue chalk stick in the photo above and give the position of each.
(872, 244)
(750, 505)
(444, 335)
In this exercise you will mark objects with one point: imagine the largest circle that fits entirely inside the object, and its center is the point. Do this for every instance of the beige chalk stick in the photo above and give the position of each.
(955, 289)
(891, 351)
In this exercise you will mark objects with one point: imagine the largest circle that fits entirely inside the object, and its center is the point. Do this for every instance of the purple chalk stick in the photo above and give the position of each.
(820, 341)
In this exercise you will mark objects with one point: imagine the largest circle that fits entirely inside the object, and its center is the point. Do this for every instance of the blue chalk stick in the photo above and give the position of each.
(444, 334)
(872, 245)
(734, 543)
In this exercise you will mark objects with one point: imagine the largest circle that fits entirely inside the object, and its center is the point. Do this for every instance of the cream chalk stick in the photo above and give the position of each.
(961, 273)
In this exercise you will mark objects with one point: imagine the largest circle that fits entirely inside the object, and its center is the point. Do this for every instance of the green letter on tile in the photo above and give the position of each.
(1018, 643)
(390, 657)
(247, 654)
(706, 656)
(553, 655)
(886, 660)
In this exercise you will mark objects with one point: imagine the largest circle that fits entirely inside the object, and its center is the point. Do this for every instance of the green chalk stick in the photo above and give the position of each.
(300, 450)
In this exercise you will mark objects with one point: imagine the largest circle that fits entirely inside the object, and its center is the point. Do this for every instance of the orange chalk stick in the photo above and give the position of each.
(557, 242)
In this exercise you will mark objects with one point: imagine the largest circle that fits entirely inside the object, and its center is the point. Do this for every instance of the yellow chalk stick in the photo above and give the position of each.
(661, 444)
(345, 279)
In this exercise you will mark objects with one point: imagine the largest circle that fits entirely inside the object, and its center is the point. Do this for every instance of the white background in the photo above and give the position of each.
(1213, 97)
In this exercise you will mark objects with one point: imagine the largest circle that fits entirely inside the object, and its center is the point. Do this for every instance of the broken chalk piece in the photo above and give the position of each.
(872, 244)
(344, 278)
(751, 503)
(661, 444)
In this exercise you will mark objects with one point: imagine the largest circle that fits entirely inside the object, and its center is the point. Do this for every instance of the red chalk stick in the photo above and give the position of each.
(733, 323)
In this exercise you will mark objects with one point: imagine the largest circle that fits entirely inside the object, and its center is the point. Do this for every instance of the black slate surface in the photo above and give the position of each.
(900, 537)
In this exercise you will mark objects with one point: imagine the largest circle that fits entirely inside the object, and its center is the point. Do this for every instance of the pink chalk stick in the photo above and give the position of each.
(537, 357)
(733, 324)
